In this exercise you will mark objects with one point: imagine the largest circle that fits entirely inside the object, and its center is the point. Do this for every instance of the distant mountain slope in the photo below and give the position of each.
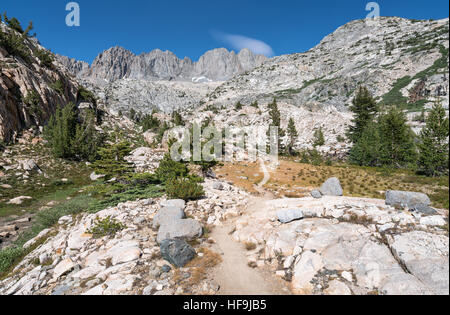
(32, 86)
(118, 63)
(401, 61)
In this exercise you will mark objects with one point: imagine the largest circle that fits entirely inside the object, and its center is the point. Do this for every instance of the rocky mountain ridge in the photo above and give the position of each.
(402, 62)
(391, 57)
(119, 63)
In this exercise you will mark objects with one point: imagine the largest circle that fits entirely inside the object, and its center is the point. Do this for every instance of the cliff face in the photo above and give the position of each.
(118, 63)
(31, 88)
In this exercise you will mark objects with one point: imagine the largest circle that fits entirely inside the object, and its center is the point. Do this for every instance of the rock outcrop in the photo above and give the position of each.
(30, 91)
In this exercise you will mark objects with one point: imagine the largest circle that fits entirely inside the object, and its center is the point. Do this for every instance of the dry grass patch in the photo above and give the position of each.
(198, 269)
(294, 179)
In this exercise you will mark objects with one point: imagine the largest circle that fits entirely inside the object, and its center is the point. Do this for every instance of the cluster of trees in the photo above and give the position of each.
(382, 137)
(72, 135)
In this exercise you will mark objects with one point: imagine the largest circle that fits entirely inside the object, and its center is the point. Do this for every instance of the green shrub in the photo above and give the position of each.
(106, 227)
(58, 86)
(45, 57)
(113, 194)
(33, 101)
(149, 122)
(9, 257)
(84, 94)
(169, 169)
(177, 119)
(184, 188)
(340, 138)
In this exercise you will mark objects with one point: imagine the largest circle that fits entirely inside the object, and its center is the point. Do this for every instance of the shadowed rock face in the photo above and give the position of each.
(118, 63)
(18, 79)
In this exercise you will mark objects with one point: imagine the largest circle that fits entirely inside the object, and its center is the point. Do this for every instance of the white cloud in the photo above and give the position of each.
(239, 42)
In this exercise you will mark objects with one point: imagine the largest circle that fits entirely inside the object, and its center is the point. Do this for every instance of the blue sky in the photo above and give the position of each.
(189, 28)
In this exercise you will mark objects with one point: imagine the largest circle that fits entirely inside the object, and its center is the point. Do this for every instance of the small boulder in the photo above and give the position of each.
(435, 220)
(19, 200)
(217, 186)
(94, 177)
(30, 166)
(316, 194)
(187, 229)
(286, 216)
(406, 199)
(167, 215)
(332, 187)
(177, 252)
(427, 210)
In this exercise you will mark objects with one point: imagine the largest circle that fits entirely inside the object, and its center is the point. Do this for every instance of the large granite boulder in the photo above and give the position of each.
(187, 229)
(167, 216)
(406, 199)
(332, 187)
(289, 215)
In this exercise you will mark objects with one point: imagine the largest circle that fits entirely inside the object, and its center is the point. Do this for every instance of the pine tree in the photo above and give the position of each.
(292, 134)
(238, 106)
(397, 139)
(111, 161)
(61, 130)
(367, 151)
(319, 138)
(433, 147)
(365, 109)
(86, 141)
(275, 117)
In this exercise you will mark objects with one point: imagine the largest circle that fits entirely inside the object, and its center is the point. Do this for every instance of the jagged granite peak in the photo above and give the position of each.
(82, 68)
(119, 63)
(112, 64)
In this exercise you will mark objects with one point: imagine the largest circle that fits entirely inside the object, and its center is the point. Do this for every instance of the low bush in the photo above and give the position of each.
(9, 257)
(184, 188)
(169, 169)
(106, 227)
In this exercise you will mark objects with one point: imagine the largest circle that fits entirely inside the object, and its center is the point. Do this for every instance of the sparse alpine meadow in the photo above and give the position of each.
(93, 202)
